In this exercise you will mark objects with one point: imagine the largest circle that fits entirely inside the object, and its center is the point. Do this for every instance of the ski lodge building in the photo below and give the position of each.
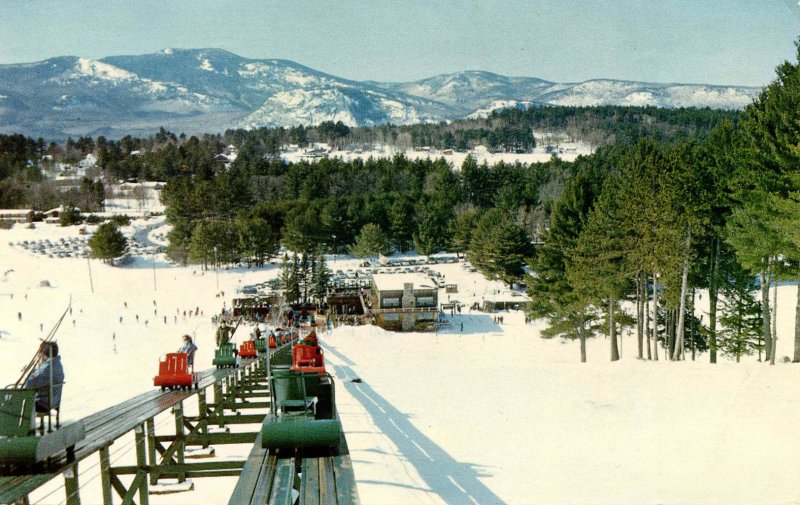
(404, 302)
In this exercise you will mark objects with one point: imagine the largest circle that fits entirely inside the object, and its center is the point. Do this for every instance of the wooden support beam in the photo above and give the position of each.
(138, 481)
(71, 486)
(141, 462)
(105, 476)
(179, 437)
(152, 446)
(118, 486)
(234, 419)
(213, 468)
(218, 399)
(213, 438)
(202, 414)
(234, 406)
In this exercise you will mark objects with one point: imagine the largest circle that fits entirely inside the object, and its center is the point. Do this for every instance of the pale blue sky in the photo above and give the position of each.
(701, 41)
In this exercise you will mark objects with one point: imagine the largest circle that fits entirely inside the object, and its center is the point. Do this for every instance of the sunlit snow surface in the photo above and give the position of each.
(493, 414)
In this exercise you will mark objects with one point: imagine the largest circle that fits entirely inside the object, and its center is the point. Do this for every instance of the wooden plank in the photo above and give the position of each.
(327, 482)
(263, 486)
(255, 477)
(346, 491)
(345, 478)
(309, 484)
(283, 483)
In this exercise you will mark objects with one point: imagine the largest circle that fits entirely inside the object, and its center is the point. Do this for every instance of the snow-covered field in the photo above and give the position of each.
(490, 414)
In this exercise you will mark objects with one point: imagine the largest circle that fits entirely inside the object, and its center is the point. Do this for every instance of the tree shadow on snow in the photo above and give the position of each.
(453, 481)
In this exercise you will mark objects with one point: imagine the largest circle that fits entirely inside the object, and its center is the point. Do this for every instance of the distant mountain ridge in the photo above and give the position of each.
(210, 90)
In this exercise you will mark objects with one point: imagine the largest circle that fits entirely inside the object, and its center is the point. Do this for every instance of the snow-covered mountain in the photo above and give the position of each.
(209, 90)
(476, 94)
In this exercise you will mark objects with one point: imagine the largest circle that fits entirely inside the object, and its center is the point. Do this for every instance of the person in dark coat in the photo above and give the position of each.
(49, 375)
(223, 334)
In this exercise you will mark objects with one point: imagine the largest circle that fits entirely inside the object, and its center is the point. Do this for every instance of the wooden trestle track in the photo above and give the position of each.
(266, 477)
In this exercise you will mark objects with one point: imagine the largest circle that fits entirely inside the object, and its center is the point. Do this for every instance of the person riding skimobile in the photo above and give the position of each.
(48, 375)
(188, 348)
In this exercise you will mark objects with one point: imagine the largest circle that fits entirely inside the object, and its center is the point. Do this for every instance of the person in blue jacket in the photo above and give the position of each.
(49, 375)
(189, 348)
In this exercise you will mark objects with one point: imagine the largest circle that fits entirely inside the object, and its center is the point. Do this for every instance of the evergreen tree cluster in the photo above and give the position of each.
(304, 278)
(654, 221)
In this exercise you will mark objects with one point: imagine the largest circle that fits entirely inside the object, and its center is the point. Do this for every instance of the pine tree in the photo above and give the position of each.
(290, 278)
(462, 228)
(213, 242)
(371, 242)
(255, 239)
(768, 171)
(305, 275)
(754, 232)
(596, 267)
(573, 321)
(402, 223)
(652, 227)
(107, 242)
(432, 228)
(552, 296)
(321, 279)
(499, 248)
(787, 215)
(740, 317)
(718, 154)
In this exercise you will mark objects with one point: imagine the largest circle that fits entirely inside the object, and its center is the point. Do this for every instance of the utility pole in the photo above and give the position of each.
(89, 265)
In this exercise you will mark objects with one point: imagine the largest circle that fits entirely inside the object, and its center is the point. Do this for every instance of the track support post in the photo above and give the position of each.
(151, 451)
(71, 485)
(141, 462)
(219, 409)
(202, 411)
(105, 475)
(180, 438)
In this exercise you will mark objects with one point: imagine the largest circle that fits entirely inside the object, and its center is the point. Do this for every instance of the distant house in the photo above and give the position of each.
(52, 215)
(14, 215)
(315, 152)
(88, 162)
(404, 302)
(447, 152)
